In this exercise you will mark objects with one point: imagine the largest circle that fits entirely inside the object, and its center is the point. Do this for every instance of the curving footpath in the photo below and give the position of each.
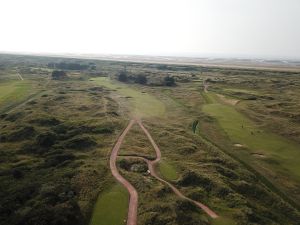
(133, 201)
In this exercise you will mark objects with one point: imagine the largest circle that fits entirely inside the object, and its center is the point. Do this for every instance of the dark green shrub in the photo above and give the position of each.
(55, 160)
(199, 194)
(156, 219)
(59, 75)
(102, 130)
(122, 76)
(17, 173)
(162, 192)
(124, 164)
(169, 81)
(184, 210)
(141, 79)
(82, 142)
(194, 179)
(46, 139)
(227, 172)
(46, 121)
(21, 134)
(13, 116)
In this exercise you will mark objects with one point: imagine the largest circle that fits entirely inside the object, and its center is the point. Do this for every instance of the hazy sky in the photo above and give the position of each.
(249, 28)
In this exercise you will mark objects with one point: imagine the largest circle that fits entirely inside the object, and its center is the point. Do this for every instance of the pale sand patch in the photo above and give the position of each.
(259, 155)
(229, 101)
(238, 145)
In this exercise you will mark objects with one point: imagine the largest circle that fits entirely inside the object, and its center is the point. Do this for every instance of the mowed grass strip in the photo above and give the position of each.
(223, 221)
(242, 130)
(111, 207)
(167, 170)
(143, 104)
(13, 91)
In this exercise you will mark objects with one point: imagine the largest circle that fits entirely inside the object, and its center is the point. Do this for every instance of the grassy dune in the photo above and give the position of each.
(111, 207)
(143, 104)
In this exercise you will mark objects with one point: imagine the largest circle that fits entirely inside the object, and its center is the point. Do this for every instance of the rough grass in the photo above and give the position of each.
(111, 207)
(167, 170)
(137, 143)
(143, 104)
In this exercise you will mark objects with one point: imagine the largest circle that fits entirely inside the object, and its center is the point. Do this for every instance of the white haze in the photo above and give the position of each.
(241, 28)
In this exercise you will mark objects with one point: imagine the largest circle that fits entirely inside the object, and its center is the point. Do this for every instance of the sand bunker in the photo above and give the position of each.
(229, 101)
(258, 155)
(238, 145)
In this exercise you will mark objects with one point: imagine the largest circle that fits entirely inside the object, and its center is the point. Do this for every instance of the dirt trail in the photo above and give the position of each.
(20, 76)
(133, 201)
(151, 166)
(205, 86)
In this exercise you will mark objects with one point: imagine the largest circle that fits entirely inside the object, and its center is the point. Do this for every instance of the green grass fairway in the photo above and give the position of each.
(111, 207)
(242, 130)
(143, 104)
(223, 221)
(13, 91)
(167, 171)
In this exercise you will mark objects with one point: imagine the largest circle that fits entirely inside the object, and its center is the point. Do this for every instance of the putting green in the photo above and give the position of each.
(111, 207)
(243, 131)
(143, 104)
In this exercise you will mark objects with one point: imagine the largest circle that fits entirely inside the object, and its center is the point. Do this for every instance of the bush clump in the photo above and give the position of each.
(21, 134)
(50, 121)
(81, 142)
(46, 139)
(141, 79)
(193, 179)
(13, 117)
(17, 173)
(59, 75)
(184, 210)
(169, 81)
(58, 159)
(123, 76)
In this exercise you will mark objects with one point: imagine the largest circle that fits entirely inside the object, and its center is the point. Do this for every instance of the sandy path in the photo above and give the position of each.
(20, 76)
(205, 86)
(151, 166)
(133, 201)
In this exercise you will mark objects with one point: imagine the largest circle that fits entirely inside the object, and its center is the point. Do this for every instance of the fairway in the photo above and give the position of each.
(167, 170)
(111, 207)
(143, 104)
(13, 91)
(223, 221)
(243, 131)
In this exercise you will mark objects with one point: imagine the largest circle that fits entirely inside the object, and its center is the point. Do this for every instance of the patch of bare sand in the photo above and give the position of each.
(229, 101)
(258, 155)
(238, 145)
